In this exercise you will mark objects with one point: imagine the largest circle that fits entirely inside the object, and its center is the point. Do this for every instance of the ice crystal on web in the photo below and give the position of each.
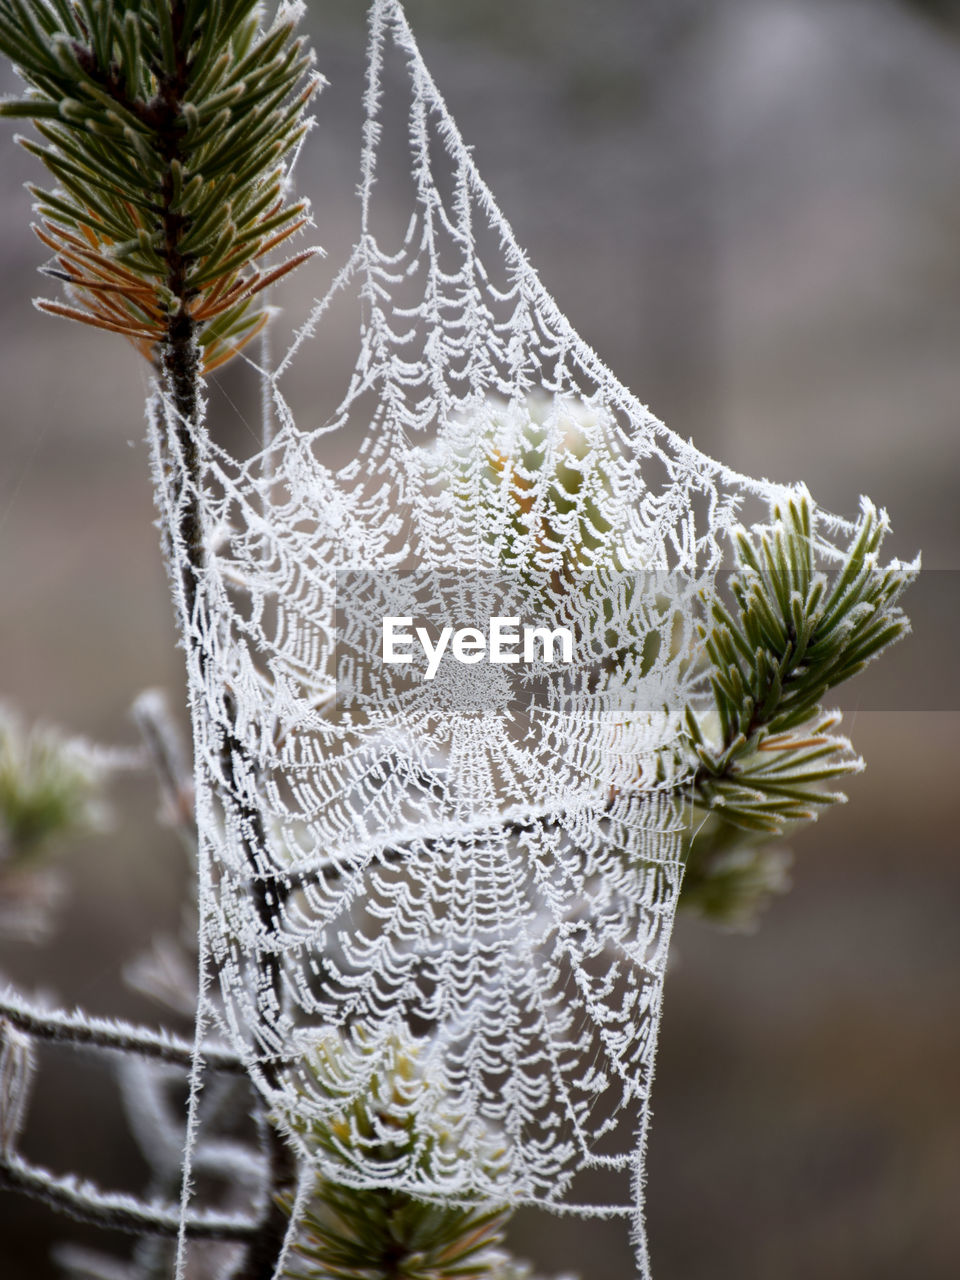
(436, 904)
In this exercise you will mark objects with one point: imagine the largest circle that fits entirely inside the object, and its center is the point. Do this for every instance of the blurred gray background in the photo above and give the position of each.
(751, 209)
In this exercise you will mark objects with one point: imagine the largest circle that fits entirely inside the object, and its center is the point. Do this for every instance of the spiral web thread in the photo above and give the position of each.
(435, 913)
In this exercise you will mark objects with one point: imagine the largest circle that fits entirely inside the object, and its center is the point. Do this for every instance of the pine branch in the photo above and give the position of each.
(50, 786)
(166, 125)
(766, 753)
(349, 1232)
(791, 635)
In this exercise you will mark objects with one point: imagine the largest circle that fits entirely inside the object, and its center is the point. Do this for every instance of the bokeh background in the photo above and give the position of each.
(751, 208)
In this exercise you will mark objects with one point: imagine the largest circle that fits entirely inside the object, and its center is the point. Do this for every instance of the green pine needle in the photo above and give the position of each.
(766, 754)
(167, 125)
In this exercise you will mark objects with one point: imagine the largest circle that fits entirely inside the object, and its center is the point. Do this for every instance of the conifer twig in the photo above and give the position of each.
(792, 634)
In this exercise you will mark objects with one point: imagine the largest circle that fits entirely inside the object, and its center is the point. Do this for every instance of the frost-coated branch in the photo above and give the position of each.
(81, 1030)
(117, 1211)
(174, 775)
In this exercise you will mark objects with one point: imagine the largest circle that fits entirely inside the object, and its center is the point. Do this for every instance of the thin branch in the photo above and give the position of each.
(117, 1211)
(175, 778)
(267, 1246)
(81, 1030)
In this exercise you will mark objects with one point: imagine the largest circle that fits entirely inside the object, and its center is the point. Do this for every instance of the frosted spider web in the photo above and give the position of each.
(435, 912)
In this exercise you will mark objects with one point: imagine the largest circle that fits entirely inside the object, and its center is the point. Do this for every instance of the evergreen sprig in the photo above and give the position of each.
(348, 1232)
(167, 125)
(766, 751)
(50, 786)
